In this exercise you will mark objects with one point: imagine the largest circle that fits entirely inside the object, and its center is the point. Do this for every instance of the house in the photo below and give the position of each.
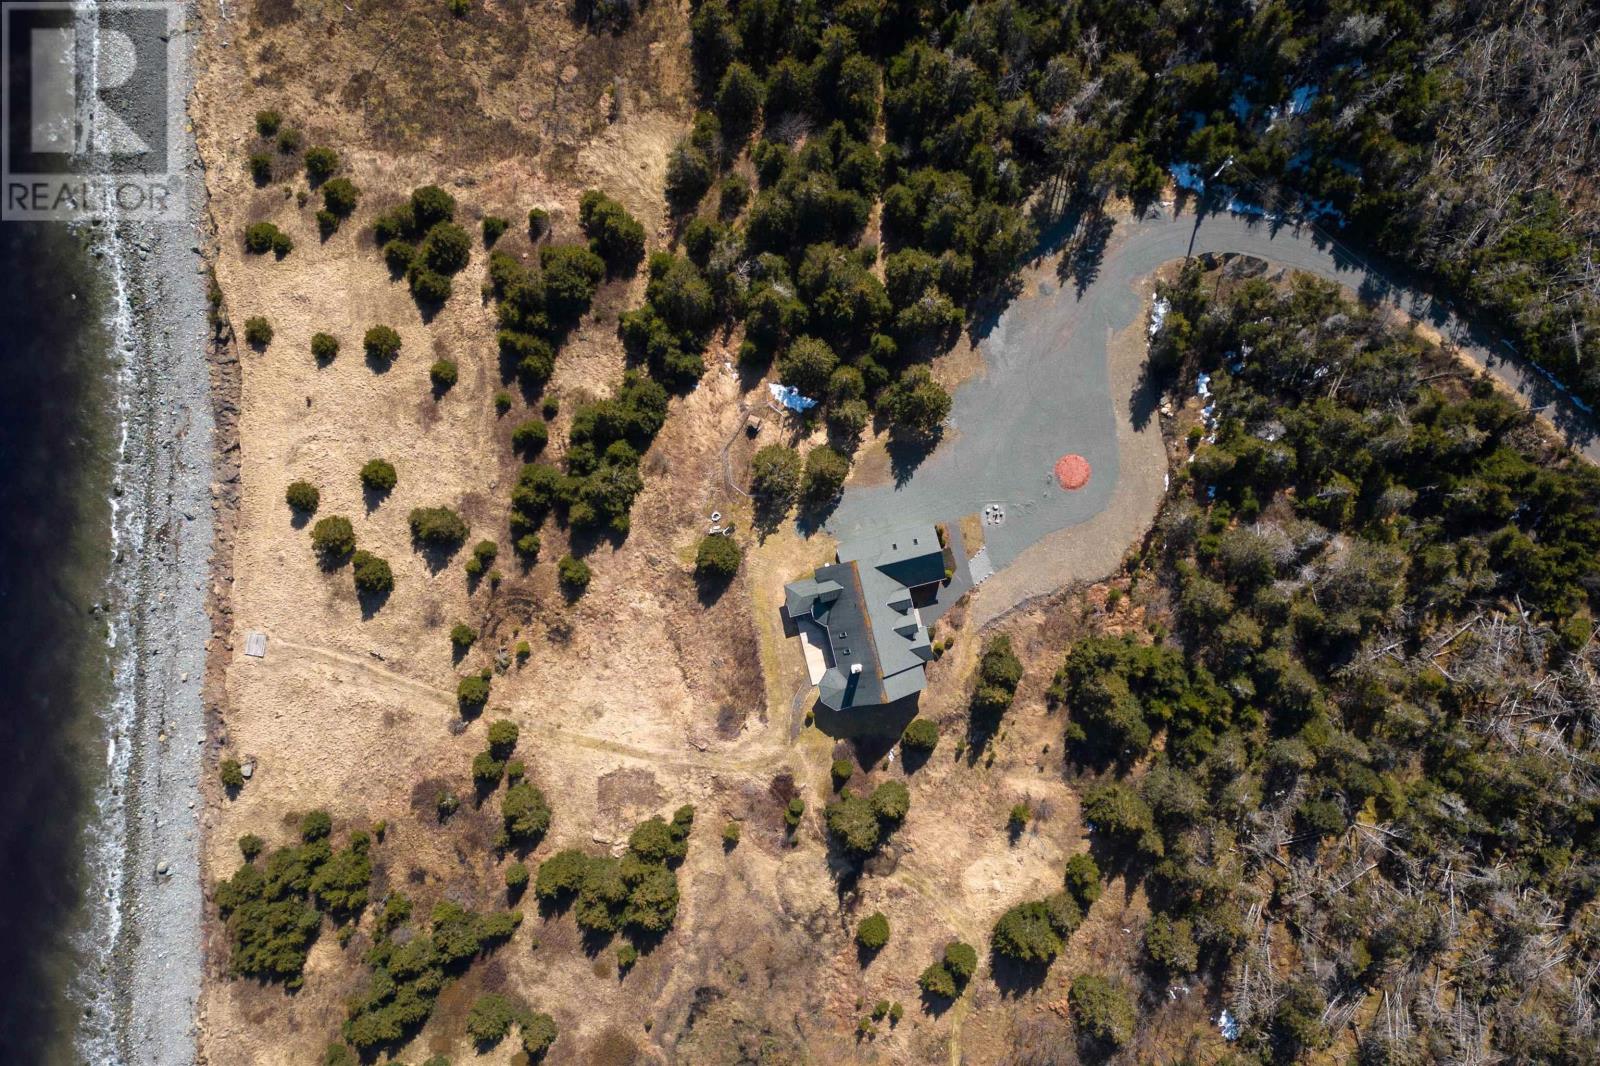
(861, 617)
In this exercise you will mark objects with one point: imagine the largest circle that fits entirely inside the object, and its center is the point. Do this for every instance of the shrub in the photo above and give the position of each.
(399, 256)
(653, 840)
(1018, 818)
(1026, 934)
(443, 373)
(320, 164)
(873, 932)
(264, 237)
(733, 195)
(503, 734)
(378, 475)
(324, 347)
(483, 553)
(260, 166)
(775, 474)
(961, 960)
(446, 249)
(333, 538)
(530, 437)
(517, 877)
(627, 955)
(571, 274)
(231, 774)
(339, 1055)
(739, 97)
(1123, 815)
(267, 122)
(525, 814)
(1083, 879)
(315, 825)
(490, 1019)
(372, 574)
(1170, 945)
(841, 771)
(916, 405)
(890, 801)
(538, 1033)
(289, 141)
(1101, 1010)
(807, 364)
(258, 331)
(614, 235)
(730, 835)
(302, 496)
(487, 771)
(339, 196)
(538, 223)
(999, 674)
(825, 471)
(438, 527)
(429, 286)
(446, 804)
(502, 401)
(494, 227)
(528, 546)
(793, 812)
(689, 175)
(250, 846)
(937, 980)
(574, 573)
(463, 636)
(718, 557)
(381, 343)
(472, 690)
(561, 875)
(920, 735)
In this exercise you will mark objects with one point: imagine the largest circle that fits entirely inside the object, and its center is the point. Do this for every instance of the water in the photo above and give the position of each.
(58, 442)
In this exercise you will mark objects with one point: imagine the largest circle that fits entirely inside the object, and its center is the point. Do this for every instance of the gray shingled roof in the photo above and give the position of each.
(864, 603)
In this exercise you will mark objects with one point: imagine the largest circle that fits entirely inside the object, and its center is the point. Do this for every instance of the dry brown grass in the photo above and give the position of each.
(638, 697)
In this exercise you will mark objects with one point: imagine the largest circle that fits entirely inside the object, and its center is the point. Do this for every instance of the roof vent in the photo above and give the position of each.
(855, 668)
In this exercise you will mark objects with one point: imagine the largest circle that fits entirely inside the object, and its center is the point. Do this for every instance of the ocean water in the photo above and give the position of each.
(58, 443)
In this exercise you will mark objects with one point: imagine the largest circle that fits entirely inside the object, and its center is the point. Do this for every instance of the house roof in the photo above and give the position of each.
(878, 643)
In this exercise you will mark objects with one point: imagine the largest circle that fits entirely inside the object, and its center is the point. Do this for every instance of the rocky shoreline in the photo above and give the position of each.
(167, 501)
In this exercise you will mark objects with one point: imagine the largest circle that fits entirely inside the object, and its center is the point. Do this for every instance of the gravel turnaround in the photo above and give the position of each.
(165, 525)
(1047, 389)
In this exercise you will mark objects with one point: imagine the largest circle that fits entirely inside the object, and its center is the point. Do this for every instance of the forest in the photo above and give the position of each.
(1350, 757)
(1458, 139)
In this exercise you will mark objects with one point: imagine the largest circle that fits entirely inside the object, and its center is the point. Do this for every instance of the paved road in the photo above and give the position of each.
(1045, 390)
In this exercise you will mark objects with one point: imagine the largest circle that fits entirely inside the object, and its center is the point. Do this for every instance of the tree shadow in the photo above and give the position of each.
(378, 365)
(1015, 978)
(982, 725)
(373, 498)
(1085, 250)
(935, 1004)
(435, 556)
(300, 519)
(710, 587)
(908, 453)
(814, 514)
(371, 602)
